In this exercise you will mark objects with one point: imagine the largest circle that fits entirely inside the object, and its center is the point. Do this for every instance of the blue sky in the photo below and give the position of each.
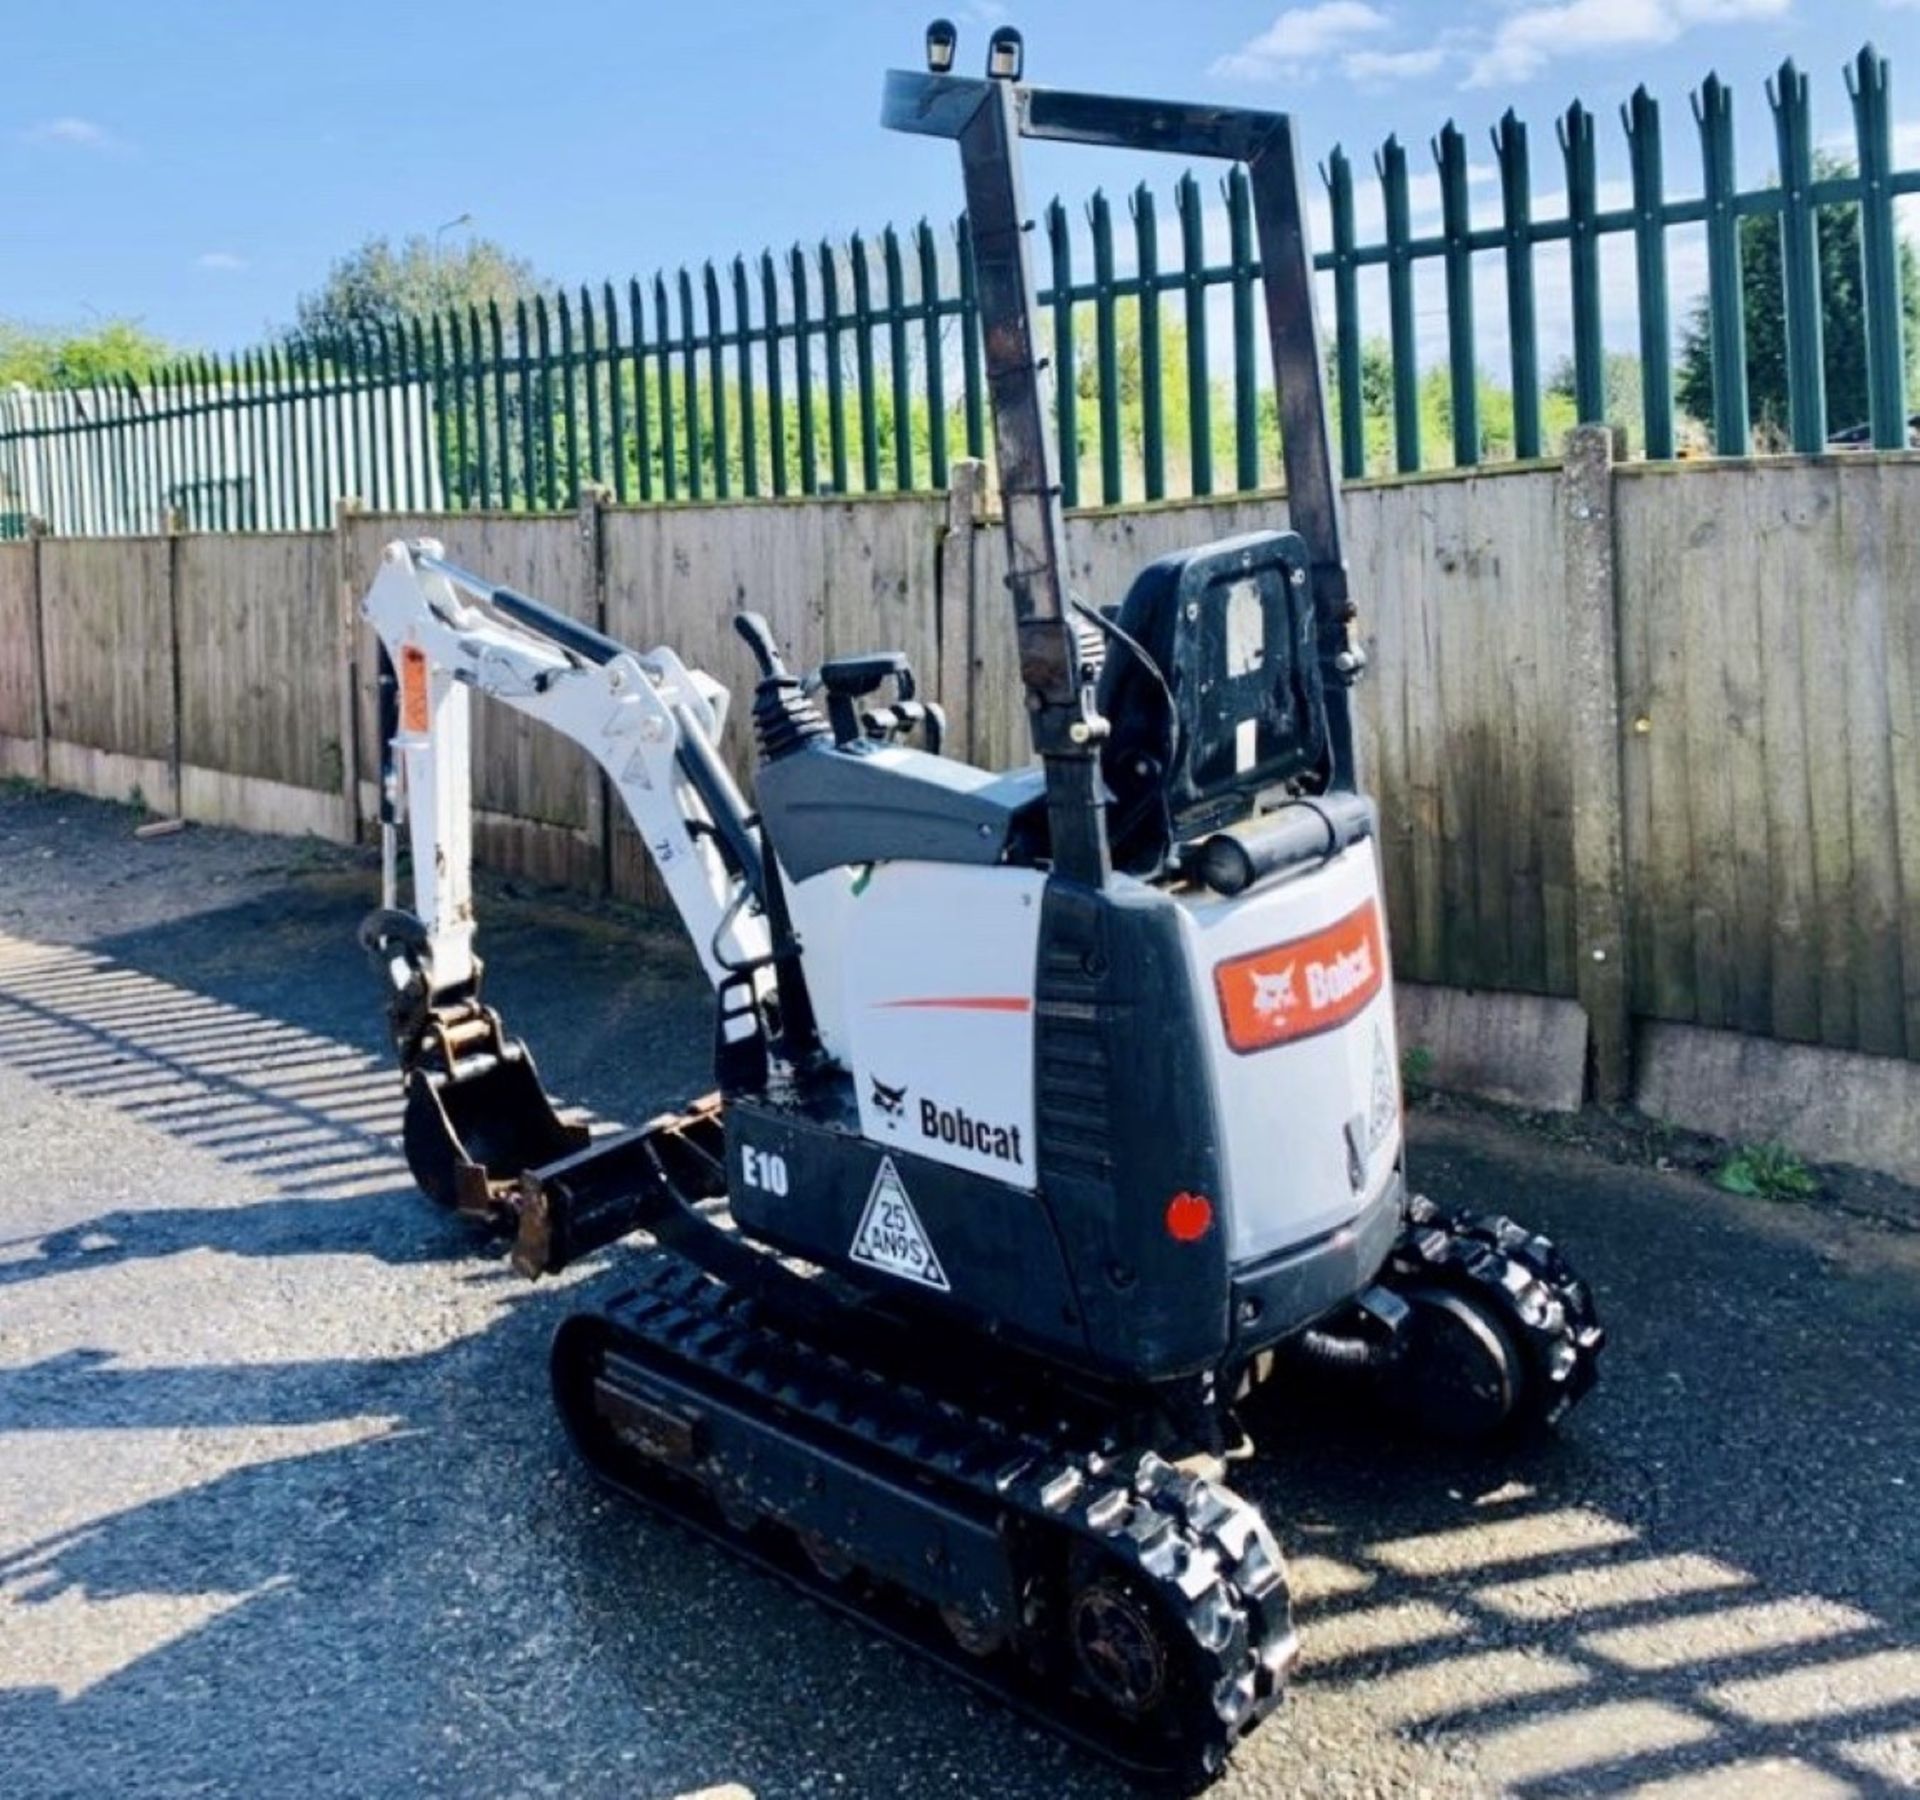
(198, 165)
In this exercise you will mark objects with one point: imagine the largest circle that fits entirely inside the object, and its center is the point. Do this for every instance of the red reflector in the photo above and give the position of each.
(1189, 1217)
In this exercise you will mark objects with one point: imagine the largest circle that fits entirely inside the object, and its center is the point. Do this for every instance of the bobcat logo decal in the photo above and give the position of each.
(890, 1101)
(1273, 994)
(1307, 984)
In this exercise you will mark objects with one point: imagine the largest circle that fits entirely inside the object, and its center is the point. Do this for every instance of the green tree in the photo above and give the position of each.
(118, 350)
(1843, 319)
(379, 285)
(1626, 391)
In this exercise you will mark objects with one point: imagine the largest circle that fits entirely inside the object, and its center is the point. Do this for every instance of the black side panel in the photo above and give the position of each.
(803, 1183)
(1125, 1121)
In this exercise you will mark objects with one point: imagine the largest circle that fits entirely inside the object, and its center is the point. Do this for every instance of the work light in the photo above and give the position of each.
(942, 40)
(1005, 54)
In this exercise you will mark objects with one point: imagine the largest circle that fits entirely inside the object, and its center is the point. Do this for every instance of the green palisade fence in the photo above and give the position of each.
(858, 367)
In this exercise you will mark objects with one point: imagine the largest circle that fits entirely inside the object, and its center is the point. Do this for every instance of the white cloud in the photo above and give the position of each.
(1300, 36)
(1527, 40)
(78, 134)
(1379, 67)
(219, 259)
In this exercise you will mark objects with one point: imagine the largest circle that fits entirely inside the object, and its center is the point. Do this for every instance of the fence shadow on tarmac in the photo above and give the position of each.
(384, 1570)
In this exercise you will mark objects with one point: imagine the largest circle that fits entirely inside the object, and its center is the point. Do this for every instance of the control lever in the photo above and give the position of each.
(753, 627)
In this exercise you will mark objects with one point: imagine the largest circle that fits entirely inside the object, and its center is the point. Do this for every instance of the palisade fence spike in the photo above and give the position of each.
(744, 338)
(897, 368)
(717, 382)
(1390, 164)
(1789, 95)
(590, 371)
(1640, 118)
(502, 421)
(1726, 319)
(803, 370)
(1336, 174)
(616, 393)
(1146, 249)
(862, 272)
(1577, 145)
(776, 372)
(474, 374)
(836, 376)
(1193, 259)
(927, 256)
(523, 400)
(663, 336)
(1869, 80)
(549, 494)
(1456, 224)
(972, 377)
(446, 379)
(1238, 194)
(690, 375)
(1523, 329)
(568, 494)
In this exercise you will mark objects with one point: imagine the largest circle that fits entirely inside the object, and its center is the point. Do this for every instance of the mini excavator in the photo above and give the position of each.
(1056, 1109)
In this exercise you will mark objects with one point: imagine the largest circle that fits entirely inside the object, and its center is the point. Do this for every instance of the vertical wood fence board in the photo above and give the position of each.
(1900, 498)
(109, 664)
(1796, 520)
(19, 682)
(1766, 619)
(1541, 541)
(259, 677)
(1861, 645)
(1793, 966)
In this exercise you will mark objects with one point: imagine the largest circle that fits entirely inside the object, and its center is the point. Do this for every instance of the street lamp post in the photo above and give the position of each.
(439, 255)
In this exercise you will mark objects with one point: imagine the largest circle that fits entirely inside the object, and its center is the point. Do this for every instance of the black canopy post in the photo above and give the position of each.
(987, 118)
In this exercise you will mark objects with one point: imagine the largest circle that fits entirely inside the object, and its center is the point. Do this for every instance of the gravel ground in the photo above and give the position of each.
(282, 1506)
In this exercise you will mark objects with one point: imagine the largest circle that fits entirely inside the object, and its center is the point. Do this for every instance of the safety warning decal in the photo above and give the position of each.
(1385, 1113)
(891, 1236)
(1312, 984)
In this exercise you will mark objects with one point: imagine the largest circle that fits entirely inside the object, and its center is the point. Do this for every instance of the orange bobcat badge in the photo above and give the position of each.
(1312, 984)
(413, 689)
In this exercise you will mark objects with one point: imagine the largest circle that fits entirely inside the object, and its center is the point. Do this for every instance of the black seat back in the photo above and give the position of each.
(1230, 628)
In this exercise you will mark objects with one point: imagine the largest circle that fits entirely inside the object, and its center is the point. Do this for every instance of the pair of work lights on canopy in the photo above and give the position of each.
(1005, 53)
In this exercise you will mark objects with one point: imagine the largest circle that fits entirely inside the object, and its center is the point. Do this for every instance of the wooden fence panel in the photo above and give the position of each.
(105, 609)
(535, 794)
(19, 679)
(1459, 584)
(261, 681)
(1770, 661)
(832, 577)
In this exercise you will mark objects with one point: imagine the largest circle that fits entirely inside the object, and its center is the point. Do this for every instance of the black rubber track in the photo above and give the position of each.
(1203, 1555)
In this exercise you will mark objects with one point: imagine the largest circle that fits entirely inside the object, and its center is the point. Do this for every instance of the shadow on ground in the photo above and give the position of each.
(405, 1581)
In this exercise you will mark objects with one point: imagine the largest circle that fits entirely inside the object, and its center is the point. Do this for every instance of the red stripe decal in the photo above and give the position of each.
(1007, 1003)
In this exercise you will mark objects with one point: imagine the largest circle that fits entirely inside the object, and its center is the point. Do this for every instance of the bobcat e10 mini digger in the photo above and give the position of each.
(1056, 1108)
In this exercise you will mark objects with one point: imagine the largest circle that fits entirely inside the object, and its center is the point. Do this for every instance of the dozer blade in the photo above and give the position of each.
(473, 1130)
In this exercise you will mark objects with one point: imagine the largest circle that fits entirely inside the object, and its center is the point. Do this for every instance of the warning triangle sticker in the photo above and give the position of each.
(891, 1236)
(1386, 1095)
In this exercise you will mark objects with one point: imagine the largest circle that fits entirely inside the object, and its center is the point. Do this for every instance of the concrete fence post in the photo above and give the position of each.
(348, 640)
(176, 672)
(957, 678)
(42, 693)
(1591, 600)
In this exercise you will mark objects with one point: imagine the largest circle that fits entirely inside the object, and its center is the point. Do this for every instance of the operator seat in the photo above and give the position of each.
(1211, 690)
